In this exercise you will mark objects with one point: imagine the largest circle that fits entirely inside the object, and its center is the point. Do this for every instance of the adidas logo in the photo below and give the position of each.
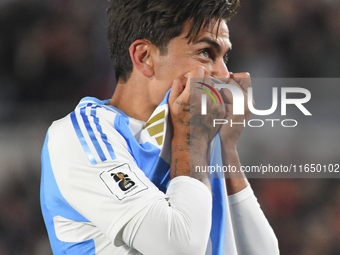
(156, 126)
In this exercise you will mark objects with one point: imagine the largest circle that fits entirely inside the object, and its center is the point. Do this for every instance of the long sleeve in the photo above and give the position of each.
(253, 234)
(180, 225)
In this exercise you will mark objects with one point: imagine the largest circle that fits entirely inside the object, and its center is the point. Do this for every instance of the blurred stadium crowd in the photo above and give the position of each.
(53, 53)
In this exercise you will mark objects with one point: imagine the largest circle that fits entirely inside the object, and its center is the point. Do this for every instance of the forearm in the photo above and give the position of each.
(235, 182)
(179, 225)
(230, 134)
(186, 155)
(253, 234)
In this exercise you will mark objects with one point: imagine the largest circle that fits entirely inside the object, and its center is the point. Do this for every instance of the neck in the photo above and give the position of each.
(134, 99)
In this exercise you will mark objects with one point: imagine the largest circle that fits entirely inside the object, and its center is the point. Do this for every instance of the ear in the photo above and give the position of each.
(140, 53)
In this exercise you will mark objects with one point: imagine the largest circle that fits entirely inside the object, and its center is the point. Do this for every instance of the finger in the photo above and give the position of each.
(226, 93)
(243, 75)
(243, 79)
(229, 110)
(227, 96)
(239, 80)
(176, 90)
(218, 93)
(215, 98)
(194, 76)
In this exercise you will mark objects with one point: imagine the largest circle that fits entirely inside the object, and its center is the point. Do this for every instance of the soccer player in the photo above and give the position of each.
(118, 175)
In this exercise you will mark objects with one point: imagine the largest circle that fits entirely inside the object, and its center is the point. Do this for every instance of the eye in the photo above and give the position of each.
(226, 58)
(205, 53)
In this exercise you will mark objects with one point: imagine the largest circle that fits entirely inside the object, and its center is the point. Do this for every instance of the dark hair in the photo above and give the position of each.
(158, 21)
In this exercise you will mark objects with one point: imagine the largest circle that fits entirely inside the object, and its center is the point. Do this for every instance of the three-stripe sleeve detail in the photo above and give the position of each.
(102, 134)
(82, 139)
(92, 132)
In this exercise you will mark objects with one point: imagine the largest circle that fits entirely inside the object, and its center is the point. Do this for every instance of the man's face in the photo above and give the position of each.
(207, 51)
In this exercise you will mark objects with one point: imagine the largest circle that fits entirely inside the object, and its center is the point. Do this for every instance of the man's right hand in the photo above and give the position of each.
(185, 108)
(192, 131)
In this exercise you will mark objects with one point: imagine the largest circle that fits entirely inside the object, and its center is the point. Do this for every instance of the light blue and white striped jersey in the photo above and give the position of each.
(101, 167)
(92, 183)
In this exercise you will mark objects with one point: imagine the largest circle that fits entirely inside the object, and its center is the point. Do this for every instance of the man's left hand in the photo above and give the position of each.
(230, 133)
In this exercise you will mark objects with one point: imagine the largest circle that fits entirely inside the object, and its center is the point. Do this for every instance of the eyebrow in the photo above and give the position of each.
(213, 43)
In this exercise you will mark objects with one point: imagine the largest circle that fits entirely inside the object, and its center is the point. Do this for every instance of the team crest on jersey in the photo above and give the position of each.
(122, 182)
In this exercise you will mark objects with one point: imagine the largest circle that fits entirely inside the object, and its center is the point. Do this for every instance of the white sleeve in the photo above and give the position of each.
(107, 194)
(116, 197)
(180, 225)
(253, 234)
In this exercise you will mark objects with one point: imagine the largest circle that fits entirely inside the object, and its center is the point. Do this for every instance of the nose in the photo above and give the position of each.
(220, 69)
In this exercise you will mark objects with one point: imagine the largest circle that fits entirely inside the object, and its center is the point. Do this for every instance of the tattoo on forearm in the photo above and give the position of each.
(188, 142)
(184, 166)
(179, 148)
(185, 123)
(175, 173)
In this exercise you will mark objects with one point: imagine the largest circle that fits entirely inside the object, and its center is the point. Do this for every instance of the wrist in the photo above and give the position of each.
(198, 147)
(229, 147)
(192, 145)
(229, 140)
(181, 140)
